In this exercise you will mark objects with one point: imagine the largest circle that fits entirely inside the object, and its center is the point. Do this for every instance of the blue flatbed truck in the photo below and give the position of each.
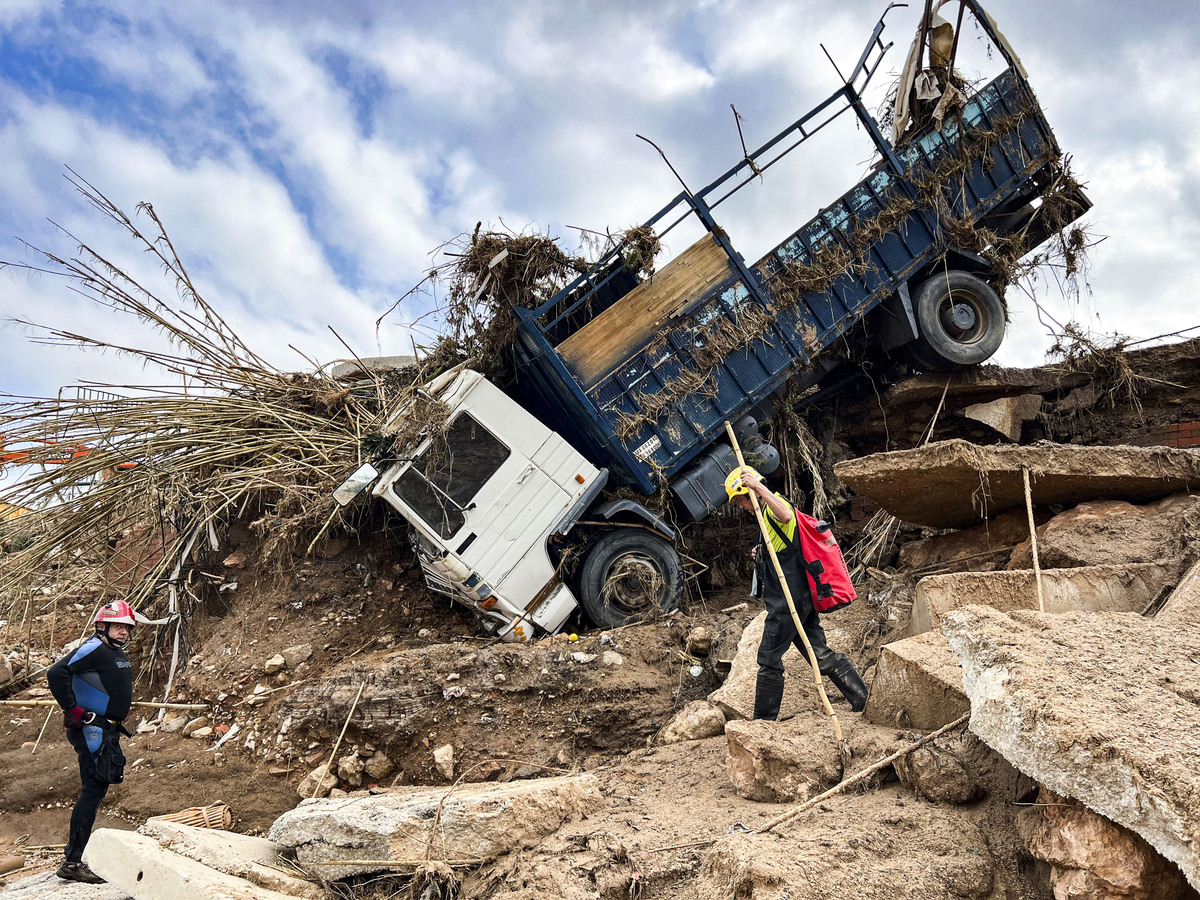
(631, 380)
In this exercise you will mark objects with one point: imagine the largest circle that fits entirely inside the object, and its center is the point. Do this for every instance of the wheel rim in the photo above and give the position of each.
(634, 585)
(964, 317)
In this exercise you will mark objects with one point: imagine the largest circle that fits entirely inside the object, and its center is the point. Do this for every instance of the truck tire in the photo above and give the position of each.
(630, 574)
(961, 320)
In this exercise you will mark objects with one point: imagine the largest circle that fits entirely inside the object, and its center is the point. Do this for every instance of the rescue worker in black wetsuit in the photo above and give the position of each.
(779, 631)
(94, 686)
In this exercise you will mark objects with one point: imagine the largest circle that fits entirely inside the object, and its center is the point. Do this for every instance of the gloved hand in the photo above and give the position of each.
(74, 716)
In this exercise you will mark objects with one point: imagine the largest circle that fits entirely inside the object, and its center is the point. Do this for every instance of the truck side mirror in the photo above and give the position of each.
(363, 477)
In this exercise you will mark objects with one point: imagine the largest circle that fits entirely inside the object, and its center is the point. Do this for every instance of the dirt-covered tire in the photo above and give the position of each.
(961, 321)
(630, 574)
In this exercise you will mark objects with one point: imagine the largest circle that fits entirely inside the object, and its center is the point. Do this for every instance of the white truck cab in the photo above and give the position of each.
(483, 499)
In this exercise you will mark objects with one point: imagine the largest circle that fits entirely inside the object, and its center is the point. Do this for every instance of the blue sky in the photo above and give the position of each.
(307, 158)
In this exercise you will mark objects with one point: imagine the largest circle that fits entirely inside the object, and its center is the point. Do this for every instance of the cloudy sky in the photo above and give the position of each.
(307, 158)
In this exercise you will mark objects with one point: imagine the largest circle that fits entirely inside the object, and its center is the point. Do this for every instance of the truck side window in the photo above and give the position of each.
(454, 466)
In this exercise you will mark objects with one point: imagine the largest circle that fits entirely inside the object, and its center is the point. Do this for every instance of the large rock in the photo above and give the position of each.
(1183, 606)
(1089, 588)
(252, 858)
(1112, 531)
(735, 698)
(780, 761)
(696, 721)
(937, 773)
(138, 865)
(956, 484)
(1090, 857)
(1101, 708)
(918, 684)
(982, 548)
(470, 822)
(1007, 414)
(49, 886)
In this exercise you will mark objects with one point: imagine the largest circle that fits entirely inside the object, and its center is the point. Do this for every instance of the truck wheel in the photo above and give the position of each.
(630, 574)
(961, 320)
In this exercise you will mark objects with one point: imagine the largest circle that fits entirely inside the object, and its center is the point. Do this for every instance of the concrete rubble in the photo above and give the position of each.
(1088, 588)
(1006, 415)
(982, 548)
(962, 483)
(475, 822)
(139, 865)
(1102, 708)
(917, 684)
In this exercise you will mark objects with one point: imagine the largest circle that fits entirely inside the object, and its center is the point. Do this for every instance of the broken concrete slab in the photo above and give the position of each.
(1007, 414)
(468, 822)
(917, 684)
(241, 855)
(1113, 531)
(1089, 589)
(981, 381)
(777, 762)
(1183, 606)
(1089, 856)
(983, 548)
(1101, 708)
(49, 886)
(141, 867)
(956, 484)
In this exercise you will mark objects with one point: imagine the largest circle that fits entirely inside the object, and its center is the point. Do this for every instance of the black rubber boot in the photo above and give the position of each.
(847, 680)
(77, 871)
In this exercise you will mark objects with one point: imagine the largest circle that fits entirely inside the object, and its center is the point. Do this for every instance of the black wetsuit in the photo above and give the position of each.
(100, 679)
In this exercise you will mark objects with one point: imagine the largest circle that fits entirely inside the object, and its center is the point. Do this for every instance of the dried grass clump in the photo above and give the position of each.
(234, 437)
(1104, 361)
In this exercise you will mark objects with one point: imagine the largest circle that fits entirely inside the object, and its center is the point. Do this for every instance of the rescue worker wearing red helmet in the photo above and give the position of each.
(779, 630)
(94, 686)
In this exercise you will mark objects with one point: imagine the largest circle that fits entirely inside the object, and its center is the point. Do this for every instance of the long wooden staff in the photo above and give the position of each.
(787, 593)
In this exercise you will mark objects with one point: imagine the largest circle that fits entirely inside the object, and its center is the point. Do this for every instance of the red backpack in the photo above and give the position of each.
(828, 575)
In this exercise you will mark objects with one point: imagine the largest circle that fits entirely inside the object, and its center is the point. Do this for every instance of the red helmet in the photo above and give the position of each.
(116, 612)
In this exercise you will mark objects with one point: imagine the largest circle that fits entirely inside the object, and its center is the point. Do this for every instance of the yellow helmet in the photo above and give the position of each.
(735, 486)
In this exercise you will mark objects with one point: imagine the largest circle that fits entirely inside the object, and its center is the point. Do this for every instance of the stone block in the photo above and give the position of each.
(779, 762)
(475, 822)
(696, 721)
(918, 684)
(1007, 414)
(1088, 588)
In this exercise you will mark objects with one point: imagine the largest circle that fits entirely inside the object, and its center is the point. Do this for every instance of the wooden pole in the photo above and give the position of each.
(338, 742)
(135, 703)
(49, 713)
(787, 593)
(1037, 566)
(863, 775)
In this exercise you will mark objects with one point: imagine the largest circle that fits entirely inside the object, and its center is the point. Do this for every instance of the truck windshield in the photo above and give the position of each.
(442, 481)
